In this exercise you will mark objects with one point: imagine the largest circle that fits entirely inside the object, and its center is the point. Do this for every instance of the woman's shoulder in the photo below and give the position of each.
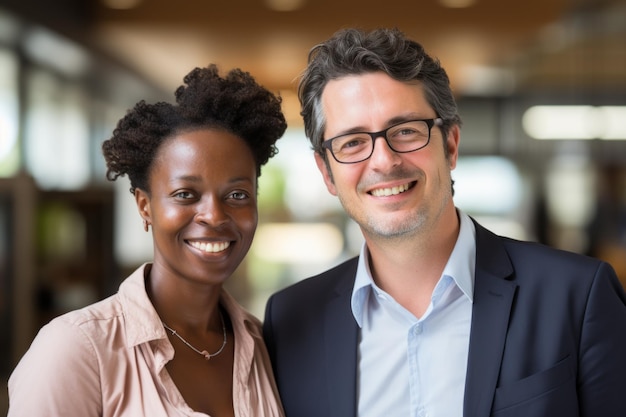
(90, 315)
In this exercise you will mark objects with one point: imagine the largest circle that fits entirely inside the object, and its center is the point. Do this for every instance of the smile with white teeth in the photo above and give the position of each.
(210, 247)
(385, 192)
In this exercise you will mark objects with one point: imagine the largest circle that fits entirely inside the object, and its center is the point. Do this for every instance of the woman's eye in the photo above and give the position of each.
(239, 195)
(183, 195)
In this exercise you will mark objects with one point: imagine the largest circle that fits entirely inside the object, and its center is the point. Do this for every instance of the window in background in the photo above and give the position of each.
(491, 189)
(9, 148)
(56, 132)
(570, 198)
(132, 245)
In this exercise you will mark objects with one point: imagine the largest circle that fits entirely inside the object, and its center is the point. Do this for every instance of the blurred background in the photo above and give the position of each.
(541, 87)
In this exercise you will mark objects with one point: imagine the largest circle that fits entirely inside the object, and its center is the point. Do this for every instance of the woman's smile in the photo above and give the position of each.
(209, 247)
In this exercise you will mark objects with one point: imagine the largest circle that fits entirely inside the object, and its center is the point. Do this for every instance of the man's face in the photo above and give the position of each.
(390, 195)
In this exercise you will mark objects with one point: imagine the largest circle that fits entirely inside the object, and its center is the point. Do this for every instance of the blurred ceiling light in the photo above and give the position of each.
(560, 122)
(298, 242)
(486, 81)
(614, 118)
(121, 4)
(285, 5)
(575, 122)
(457, 4)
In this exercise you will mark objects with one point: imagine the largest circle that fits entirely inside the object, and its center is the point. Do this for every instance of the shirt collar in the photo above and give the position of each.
(462, 262)
(143, 324)
(460, 268)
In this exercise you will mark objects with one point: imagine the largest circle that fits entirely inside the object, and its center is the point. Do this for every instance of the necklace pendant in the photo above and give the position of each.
(204, 353)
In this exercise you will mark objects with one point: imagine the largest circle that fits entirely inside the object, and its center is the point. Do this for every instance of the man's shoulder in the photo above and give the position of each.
(536, 265)
(540, 263)
(302, 306)
(346, 267)
(545, 254)
(527, 250)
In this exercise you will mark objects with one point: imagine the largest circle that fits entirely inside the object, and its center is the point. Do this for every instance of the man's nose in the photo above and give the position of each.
(382, 153)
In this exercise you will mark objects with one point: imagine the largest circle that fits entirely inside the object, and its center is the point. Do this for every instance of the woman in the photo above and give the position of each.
(172, 342)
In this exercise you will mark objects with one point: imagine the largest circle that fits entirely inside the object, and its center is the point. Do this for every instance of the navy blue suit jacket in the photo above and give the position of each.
(548, 337)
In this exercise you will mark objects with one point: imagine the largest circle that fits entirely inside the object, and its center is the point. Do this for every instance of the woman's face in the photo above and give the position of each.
(202, 205)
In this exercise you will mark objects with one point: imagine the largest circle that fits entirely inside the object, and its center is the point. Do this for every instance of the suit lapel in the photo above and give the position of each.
(493, 298)
(341, 344)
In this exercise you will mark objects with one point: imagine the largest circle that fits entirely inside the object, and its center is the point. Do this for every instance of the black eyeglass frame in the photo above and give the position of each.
(438, 121)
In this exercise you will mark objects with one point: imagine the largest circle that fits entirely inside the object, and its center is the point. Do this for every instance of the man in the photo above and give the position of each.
(437, 316)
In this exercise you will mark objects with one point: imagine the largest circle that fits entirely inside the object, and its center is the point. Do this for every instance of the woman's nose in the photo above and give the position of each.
(212, 212)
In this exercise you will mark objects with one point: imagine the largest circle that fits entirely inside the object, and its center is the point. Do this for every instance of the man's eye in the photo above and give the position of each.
(353, 142)
(406, 131)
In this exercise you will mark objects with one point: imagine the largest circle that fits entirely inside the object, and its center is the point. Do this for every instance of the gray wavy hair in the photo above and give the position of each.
(353, 52)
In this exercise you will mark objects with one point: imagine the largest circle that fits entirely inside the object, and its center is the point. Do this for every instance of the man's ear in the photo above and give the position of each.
(452, 145)
(324, 168)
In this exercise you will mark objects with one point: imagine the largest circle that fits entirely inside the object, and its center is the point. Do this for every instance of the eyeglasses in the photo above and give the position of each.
(403, 137)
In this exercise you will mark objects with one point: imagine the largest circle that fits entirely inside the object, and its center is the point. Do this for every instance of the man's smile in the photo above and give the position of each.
(385, 192)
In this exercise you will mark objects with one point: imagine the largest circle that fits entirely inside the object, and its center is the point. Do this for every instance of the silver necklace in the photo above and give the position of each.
(204, 353)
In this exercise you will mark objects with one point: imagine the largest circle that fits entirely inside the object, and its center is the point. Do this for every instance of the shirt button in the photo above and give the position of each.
(417, 329)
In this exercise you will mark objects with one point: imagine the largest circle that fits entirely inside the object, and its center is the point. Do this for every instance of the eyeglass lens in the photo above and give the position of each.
(404, 137)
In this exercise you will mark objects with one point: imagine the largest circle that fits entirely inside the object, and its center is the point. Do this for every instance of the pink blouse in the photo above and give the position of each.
(108, 360)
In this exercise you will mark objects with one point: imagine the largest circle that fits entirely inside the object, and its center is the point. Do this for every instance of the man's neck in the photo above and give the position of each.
(408, 269)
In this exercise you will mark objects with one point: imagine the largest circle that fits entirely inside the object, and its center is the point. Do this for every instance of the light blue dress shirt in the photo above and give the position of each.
(409, 366)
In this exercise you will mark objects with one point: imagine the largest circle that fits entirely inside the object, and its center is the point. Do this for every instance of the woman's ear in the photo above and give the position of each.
(143, 205)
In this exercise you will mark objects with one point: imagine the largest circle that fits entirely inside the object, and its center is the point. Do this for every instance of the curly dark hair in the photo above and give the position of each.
(234, 103)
